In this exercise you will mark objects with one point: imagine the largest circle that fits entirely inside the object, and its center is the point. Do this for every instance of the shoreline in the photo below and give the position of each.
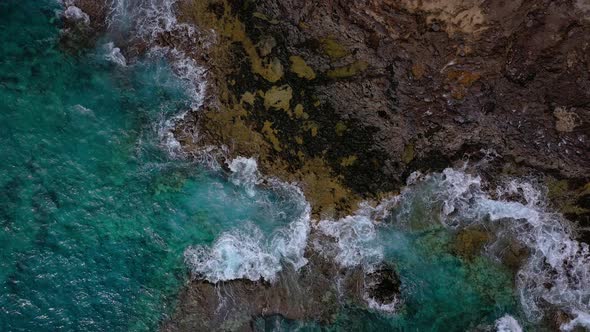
(280, 92)
(285, 111)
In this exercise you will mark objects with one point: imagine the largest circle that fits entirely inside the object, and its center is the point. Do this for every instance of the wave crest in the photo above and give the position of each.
(250, 252)
(557, 270)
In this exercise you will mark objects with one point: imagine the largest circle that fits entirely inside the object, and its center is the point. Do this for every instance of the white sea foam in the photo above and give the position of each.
(114, 55)
(355, 241)
(234, 255)
(582, 319)
(390, 307)
(76, 14)
(83, 110)
(507, 323)
(355, 236)
(193, 78)
(147, 18)
(190, 73)
(247, 252)
(557, 271)
(558, 268)
(245, 173)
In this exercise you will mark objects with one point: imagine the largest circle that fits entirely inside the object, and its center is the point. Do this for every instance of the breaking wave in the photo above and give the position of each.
(75, 14)
(147, 20)
(355, 237)
(390, 307)
(507, 323)
(557, 270)
(259, 250)
(114, 55)
(355, 241)
(245, 173)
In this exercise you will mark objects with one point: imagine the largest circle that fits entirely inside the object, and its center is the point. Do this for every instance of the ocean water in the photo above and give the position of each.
(102, 221)
(95, 214)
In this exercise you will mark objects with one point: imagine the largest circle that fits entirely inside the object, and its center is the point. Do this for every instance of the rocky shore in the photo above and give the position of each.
(348, 98)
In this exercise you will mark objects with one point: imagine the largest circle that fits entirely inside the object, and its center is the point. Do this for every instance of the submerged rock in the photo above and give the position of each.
(383, 287)
(83, 22)
(315, 293)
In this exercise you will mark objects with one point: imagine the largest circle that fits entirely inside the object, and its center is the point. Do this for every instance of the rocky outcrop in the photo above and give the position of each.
(349, 97)
(313, 294)
(83, 22)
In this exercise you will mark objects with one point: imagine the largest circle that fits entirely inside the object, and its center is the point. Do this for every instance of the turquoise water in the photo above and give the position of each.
(440, 292)
(95, 215)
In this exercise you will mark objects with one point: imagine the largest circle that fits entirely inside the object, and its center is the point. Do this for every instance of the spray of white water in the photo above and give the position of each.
(245, 173)
(247, 252)
(558, 268)
(354, 244)
(114, 55)
(557, 271)
(146, 18)
(193, 78)
(75, 14)
(354, 237)
(389, 308)
(507, 323)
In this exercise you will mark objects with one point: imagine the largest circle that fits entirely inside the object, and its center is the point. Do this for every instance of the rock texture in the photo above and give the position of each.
(313, 294)
(349, 97)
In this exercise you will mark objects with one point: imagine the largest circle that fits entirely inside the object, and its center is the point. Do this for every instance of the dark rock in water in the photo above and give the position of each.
(83, 23)
(312, 294)
(383, 285)
(470, 242)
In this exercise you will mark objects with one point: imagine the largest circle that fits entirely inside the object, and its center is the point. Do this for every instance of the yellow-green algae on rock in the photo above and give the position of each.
(247, 122)
(299, 67)
(333, 49)
(350, 70)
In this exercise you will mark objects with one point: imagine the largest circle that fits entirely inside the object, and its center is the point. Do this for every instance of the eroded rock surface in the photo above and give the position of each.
(364, 92)
(313, 294)
(349, 97)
